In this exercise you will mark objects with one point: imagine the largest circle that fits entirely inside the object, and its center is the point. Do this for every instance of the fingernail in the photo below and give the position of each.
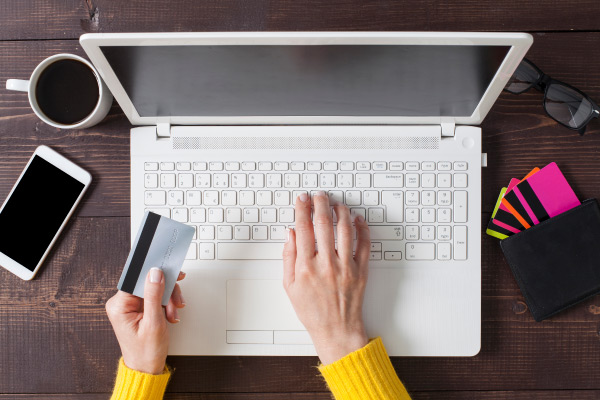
(320, 193)
(360, 218)
(182, 273)
(177, 320)
(182, 299)
(303, 197)
(287, 237)
(155, 275)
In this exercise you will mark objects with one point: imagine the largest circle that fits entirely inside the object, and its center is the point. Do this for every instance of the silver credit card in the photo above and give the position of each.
(162, 243)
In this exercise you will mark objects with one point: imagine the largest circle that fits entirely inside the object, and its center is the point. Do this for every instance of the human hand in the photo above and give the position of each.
(327, 287)
(141, 324)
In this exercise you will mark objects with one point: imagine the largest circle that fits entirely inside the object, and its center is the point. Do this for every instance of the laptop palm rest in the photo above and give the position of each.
(259, 311)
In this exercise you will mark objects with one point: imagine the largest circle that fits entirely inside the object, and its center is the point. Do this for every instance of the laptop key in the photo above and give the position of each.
(412, 166)
(444, 251)
(186, 181)
(379, 165)
(180, 215)
(330, 166)
(428, 166)
(460, 242)
(393, 202)
(241, 232)
(363, 166)
(207, 251)
(167, 180)
(150, 181)
(191, 253)
(396, 166)
(184, 166)
(248, 166)
(282, 166)
(249, 251)
(389, 180)
(386, 232)
(420, 251)
(347, 166)
(167, 166)
(151, 166)
(460, 206)
(165, 212)
(444, 180)
(155, 198)
(232, 166)
(314, 165)
(297, 166)
(215, 166)
(460, 165)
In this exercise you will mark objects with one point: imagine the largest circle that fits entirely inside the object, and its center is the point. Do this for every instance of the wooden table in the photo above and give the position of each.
(55, 339)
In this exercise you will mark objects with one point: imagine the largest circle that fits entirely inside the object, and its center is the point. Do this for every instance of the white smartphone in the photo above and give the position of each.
(37, 209)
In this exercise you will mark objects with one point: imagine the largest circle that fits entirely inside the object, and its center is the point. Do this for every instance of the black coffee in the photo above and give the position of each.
(67, 91)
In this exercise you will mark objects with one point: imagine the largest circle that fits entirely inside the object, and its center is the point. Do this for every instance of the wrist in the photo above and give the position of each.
(152, 367)
(331, 348)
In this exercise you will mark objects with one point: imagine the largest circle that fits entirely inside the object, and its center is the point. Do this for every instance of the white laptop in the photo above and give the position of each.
(233, 126)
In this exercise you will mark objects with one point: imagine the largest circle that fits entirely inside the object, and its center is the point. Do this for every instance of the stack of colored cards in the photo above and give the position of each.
(540, 195)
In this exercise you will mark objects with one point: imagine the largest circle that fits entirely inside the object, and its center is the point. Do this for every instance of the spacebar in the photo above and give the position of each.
(249, 251)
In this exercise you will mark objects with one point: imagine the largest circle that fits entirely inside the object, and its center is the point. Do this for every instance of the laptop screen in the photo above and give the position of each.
(302, 80)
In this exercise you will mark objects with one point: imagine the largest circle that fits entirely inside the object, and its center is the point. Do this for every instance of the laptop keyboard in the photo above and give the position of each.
(415, 210)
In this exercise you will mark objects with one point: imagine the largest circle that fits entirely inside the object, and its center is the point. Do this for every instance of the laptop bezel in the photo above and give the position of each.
(519, 42)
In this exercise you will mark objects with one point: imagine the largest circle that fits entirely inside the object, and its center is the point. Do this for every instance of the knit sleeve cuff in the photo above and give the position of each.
(131, 384)
(364, 374)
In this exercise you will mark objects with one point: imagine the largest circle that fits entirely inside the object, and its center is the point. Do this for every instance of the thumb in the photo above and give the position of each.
(153, 293)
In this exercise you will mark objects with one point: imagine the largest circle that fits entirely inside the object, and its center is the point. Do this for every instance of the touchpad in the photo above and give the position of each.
(259, 305)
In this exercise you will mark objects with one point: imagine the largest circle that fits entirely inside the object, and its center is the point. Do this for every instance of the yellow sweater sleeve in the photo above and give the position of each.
(366, 374)
(134, 385)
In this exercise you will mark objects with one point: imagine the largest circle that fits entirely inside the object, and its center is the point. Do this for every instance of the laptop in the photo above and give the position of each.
(232, 127)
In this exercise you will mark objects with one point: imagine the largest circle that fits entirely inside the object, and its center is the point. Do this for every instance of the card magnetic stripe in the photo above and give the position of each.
(513, 201)
(507, 218)
(141, 251)
(534, 203)
(498, 228)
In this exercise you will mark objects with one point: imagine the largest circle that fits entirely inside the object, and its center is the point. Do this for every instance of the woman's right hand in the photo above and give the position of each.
(326, 287)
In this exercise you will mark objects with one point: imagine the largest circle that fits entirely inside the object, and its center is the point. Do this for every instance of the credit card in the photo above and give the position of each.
(508, 215)
(543, 195)
(162, 243)
(503, 218)
(494, 230)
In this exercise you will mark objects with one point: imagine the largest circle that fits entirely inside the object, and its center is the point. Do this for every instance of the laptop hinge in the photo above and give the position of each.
(163, 129)
(448, 128)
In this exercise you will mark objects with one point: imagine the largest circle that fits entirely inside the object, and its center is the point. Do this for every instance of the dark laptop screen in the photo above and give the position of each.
(300, 80)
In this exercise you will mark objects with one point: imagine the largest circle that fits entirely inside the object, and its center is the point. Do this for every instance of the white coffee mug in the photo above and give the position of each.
(102, 106)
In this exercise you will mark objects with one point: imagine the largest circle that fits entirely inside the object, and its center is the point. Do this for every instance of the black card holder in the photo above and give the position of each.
(557, 262)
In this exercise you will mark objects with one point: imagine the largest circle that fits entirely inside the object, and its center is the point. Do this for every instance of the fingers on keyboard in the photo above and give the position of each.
(404, 203)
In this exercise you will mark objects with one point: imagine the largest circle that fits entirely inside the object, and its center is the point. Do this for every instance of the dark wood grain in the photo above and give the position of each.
(67, 19)
(56, 342)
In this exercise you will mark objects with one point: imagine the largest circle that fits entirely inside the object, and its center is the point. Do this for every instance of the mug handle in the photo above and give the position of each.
(17, 84)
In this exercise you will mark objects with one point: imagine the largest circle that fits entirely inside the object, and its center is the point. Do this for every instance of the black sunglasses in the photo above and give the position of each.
(563, 103)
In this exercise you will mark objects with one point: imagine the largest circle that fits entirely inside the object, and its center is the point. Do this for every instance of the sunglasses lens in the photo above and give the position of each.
(567, 106)
(523, 78)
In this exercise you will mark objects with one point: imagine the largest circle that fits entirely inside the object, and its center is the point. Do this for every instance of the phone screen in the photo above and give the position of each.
(35, 211)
